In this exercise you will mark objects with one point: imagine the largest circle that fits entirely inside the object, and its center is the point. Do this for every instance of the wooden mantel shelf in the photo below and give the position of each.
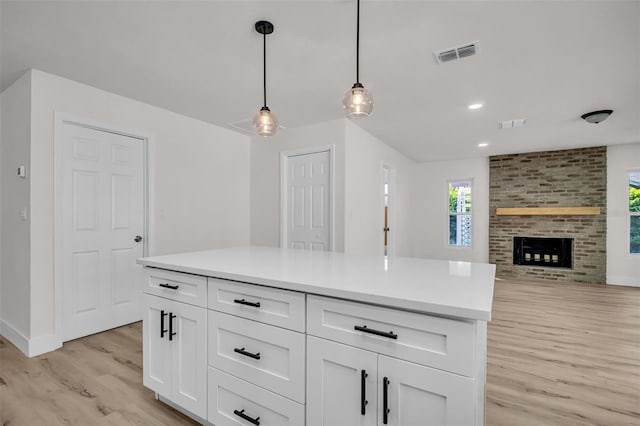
(547, 211)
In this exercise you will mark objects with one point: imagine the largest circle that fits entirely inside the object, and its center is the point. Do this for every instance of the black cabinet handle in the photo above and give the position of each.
(244, 302)
(165, 285)
(364, 328)
(241, 351)
(242, 415)
(162, 329)
(385, 401)
(363, 392)
(171, 333)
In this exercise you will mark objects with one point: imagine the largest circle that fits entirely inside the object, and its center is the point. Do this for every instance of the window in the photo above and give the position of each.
(634, 212)
(460, 213)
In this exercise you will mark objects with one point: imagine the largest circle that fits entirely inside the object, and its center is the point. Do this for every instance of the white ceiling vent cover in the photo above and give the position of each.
(246, 126)
(459, 52)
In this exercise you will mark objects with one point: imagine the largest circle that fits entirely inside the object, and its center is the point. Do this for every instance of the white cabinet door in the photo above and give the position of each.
(423, 396)
(189, 357)
(156, 349)
(335, 385)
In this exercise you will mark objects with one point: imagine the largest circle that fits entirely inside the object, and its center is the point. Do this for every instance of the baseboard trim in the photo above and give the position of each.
(18, 339)
(43, 344)
(622, 280)
(30, 347)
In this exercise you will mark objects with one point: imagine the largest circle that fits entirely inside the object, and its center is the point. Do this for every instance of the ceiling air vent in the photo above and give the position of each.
(459, 52)
(246, 126)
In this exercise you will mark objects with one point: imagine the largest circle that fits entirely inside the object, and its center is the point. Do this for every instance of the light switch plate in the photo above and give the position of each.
(22, 171)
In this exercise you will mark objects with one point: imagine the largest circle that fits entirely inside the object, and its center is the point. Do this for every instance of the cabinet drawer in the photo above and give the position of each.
(185, 288)
(269, 305)
(268, 356)
(443, 343)
(231, 398)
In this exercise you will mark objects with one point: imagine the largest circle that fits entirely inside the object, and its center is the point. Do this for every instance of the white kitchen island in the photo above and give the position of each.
(269, 336)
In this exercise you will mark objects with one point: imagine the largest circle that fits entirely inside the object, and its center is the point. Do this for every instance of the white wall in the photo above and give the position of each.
(623, 268)
(430, 203)
(201, 180)
(365, 155)
(265, 177)
(15, 242)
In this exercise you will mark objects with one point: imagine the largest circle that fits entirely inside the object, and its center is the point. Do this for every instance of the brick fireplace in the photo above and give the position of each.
(567, 178)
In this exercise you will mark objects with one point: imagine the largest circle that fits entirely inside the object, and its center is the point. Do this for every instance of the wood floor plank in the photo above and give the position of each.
(559, 354)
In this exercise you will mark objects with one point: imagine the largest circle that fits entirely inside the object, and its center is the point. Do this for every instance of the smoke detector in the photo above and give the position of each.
(458, 52)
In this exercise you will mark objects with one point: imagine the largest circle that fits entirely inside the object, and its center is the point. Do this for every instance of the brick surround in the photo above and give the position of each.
(568, 178)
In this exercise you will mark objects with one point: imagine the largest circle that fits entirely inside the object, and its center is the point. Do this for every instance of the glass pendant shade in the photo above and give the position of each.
(265, 122)
(358, 102)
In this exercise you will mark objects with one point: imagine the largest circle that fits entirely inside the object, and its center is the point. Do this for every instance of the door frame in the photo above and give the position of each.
(284, 180)
(148, 187)
(391, 240)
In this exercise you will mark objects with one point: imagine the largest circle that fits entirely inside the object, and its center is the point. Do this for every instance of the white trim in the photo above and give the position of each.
(623, 281)
(30, 347)
(391, 246)
(148, 175)
(284, 156)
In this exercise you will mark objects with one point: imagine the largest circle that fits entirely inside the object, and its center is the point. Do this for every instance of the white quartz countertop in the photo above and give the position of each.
(450, 288)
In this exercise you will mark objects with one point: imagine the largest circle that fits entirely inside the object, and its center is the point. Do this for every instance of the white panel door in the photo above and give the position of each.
(423, 396)
(189, 364)
(101, 213)
(308, 201)
(338, 377)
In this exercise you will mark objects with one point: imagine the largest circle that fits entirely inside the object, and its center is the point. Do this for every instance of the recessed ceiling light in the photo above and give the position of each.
(475, 106)
(483, 144)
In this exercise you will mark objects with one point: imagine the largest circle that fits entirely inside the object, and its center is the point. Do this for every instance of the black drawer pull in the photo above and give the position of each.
(162, 329)
(171, 333)
(363, 392)
(244, 302)
(242, 415)
(241, 351)
(390, 335)
(165, 285)
(385, 401)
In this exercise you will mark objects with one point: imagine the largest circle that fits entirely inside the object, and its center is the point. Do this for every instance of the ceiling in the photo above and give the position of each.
(545, 61)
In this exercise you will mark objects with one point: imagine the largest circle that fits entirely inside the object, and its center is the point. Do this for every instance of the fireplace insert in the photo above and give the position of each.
(551, 252)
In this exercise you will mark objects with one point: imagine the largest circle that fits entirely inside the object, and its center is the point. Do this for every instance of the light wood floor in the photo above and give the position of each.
(563, 354)
(558, 354)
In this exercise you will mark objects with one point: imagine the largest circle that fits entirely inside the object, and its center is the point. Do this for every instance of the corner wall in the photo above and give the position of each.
(365, 155)
(15, 285)
(200, 184)
(623, 268)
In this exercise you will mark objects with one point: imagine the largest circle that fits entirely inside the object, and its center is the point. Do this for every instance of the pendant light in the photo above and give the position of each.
(358, 102)
(265, 122)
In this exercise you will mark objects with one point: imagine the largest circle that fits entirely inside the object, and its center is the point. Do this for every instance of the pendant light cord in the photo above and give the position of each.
(358, 45)
(264, 68)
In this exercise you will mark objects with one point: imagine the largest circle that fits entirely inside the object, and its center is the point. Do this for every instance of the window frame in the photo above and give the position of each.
(470, 181)
(630, 214)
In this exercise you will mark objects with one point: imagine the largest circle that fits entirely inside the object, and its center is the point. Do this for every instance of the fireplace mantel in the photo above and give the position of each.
(547, 211)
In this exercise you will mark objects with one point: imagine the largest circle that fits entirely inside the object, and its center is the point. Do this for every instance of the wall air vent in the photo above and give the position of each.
(459, 52)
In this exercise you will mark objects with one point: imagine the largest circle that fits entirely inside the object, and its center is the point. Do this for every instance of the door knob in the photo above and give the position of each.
(137, 239)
